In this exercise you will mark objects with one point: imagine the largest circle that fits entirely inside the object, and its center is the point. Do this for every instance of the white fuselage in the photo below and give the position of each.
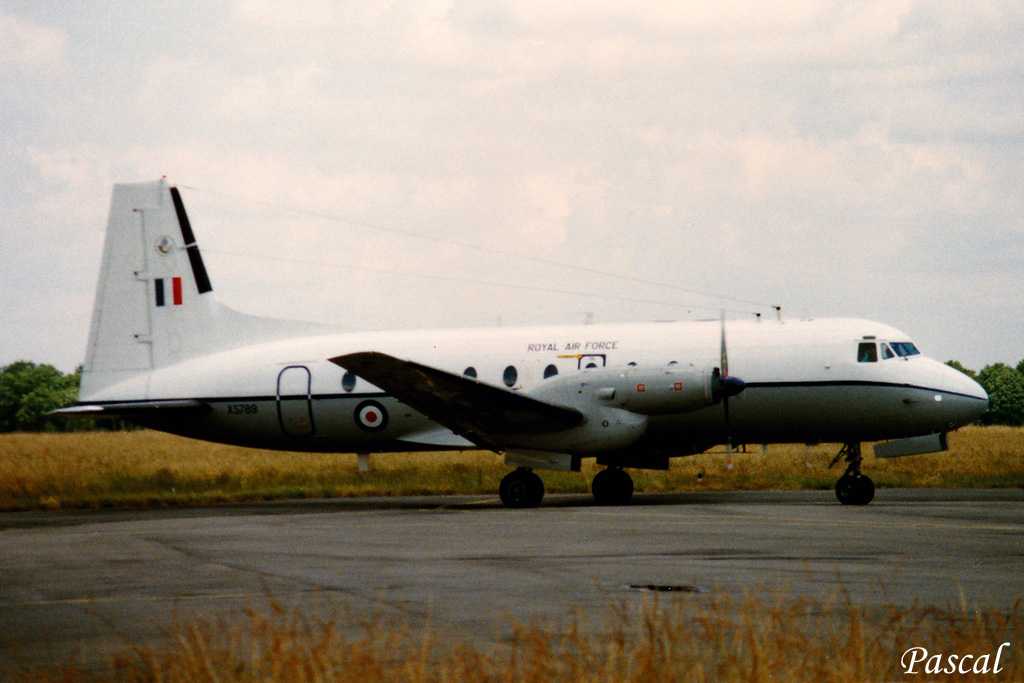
(804, 384)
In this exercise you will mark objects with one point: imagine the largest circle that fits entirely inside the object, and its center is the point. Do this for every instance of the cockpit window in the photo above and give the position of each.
(867, 352)
(886, 352)
(904, 349)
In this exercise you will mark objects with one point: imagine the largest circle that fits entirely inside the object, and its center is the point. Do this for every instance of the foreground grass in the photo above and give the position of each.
(142, 468)
(687, 638)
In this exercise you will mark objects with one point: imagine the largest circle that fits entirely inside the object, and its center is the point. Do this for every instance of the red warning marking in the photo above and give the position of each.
(641, 388)
(176, 287)
(678, 386)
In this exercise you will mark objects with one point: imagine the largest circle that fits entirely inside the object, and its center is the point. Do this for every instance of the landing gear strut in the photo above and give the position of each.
(521, 489)
(612, 486)
(853, 488)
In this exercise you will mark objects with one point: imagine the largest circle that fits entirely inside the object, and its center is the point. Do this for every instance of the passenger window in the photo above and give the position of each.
(470, 372)
(348, 382)
(867, 353)
(510, 376)
(550, 371)
(887, 352)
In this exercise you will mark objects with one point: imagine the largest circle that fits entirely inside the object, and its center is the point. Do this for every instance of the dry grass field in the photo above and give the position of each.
(753, 640)
(712, 637)
(143, 468)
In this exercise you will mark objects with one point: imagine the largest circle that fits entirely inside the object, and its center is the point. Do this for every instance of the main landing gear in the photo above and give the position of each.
(853, 488)
(612, 486)
(522, 488)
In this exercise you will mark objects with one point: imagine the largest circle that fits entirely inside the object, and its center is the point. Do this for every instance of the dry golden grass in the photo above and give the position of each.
(94, 469)
(978, 457)
(692, 638)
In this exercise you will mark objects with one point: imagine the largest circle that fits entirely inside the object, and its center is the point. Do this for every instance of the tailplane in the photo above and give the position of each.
(154, 302)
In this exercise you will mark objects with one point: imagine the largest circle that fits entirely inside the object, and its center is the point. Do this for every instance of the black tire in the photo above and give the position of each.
(612, 486)
(855, 489)
(521, 489)
(536, 489)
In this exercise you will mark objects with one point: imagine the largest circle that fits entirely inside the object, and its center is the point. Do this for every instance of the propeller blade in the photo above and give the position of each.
(725, 386)
(725, 355)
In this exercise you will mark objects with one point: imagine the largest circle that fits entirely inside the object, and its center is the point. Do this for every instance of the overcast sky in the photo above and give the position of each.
(431, 163)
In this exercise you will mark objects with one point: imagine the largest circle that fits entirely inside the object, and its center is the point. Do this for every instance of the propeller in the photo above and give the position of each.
(728, 386)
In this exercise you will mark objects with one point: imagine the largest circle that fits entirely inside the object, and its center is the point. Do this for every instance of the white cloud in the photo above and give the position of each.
(742, 146)
(28, 45)
(289, 15)
(293, 92)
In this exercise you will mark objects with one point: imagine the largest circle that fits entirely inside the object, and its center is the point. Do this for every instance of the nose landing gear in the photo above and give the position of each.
(853, 488)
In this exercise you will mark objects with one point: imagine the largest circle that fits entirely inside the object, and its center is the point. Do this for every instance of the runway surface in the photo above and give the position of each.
(89, 583)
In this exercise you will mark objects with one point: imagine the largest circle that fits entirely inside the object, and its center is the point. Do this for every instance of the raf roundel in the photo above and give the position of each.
(371, 416)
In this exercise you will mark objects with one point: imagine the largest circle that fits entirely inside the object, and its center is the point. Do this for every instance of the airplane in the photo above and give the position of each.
(164, 353)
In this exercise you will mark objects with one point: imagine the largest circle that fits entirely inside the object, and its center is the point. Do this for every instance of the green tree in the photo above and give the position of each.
(34, 407)
(956, 366)
(29, 391)
(1005, 387)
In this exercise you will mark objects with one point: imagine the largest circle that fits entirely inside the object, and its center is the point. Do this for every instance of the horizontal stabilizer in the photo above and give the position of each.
(470, 408)
(131, 409)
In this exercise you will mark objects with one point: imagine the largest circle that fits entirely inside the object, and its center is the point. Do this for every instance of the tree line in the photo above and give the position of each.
(1005, 387)
(28, 392)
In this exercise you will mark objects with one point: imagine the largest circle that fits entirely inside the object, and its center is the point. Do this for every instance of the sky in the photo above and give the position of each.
(433, 163)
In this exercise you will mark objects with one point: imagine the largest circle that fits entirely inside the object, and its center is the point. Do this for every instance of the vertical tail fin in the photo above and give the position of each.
(154, 301)
(142, 277)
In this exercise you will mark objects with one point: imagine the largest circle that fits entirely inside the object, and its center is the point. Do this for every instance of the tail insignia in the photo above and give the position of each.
(176, 296)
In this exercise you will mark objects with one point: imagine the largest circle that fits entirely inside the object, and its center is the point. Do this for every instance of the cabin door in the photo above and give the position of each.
(294, 401)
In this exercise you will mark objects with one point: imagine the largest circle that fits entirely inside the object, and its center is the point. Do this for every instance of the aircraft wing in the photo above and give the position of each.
(472, 409)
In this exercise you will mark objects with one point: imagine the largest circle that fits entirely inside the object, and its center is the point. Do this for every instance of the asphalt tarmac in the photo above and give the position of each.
(85, 584)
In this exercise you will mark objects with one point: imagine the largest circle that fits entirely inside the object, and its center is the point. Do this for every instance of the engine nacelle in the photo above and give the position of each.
(606, 430)
(660, 390)
(618, 403)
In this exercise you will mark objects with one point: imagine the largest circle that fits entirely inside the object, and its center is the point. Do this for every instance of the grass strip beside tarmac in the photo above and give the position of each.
(145, 468)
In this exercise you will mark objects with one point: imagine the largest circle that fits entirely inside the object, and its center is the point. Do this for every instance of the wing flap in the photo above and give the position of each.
(472, 409)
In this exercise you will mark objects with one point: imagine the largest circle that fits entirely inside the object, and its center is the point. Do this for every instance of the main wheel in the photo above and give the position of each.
(612, 486)
(521, 489)
(855, 489)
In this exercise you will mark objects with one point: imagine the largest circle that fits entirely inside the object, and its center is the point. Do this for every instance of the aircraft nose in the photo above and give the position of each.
(968, 397)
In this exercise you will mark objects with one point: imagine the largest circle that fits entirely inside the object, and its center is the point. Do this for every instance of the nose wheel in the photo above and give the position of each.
(853, 488)
(521, 489)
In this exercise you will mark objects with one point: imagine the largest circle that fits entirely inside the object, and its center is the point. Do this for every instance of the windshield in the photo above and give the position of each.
(904, 349)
